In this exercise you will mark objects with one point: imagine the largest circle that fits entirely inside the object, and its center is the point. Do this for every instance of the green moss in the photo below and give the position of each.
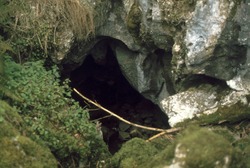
(17, 150)
(241, 153)
(203, 148)
(161, 143)
(134, 153)
(7, 130)
(225, 114)
(162, 158)
(232, 114)
(243, 143)
(22, 152)
(10, 114)
(195, 147)
(10, 123)
(225, 133)
(246, 154)
(138, 153)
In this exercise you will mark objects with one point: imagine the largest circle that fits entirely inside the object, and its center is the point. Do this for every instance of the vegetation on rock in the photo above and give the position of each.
(225, 114)
(194, 147)
(49, 123)
(53, 116)
(34, 28)
(134, 153)
(42, 126)
(18, 150)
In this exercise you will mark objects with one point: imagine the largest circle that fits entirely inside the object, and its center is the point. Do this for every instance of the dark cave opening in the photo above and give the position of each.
(103, 82)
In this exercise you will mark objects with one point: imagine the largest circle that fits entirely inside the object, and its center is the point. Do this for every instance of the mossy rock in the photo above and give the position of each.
(246, 155)
(134, 153)
(226, 114)
(162, 159)
(7, 130)
(9, 113)
(17, 150)
(241, 153)
(225, 133)
(20, 151)
(201, 147)
(196, 147)
(230, 114)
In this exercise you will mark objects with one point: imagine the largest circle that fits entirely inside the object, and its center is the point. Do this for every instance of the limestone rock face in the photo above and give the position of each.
(202, 36)
(189, 104)
(203, 100)
(161, 45)
(144, 71)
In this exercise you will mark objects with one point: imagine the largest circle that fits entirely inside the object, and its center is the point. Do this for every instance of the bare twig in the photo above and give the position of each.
(126, 121)
(98, 119)
(158, 135)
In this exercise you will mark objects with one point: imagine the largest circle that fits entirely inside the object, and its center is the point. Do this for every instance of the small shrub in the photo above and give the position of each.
(53, 116)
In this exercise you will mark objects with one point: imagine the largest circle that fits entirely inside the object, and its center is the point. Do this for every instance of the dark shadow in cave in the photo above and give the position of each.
(103, 82)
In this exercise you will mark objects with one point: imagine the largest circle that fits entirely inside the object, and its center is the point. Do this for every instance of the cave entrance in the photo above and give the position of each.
(101, 80)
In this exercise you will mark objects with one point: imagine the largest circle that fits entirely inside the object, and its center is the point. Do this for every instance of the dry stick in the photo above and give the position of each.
(98, 119)
(126, 121)
(156, 136)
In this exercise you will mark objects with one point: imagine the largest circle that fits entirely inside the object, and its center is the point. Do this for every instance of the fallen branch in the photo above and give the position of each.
(158, 135)
(171, 130)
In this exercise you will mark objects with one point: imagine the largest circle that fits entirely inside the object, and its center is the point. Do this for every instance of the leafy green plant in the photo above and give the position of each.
(4, 46)
(53, 116)
(5, 49)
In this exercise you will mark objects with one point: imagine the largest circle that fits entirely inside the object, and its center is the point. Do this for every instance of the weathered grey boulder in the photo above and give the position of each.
(203, 100)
